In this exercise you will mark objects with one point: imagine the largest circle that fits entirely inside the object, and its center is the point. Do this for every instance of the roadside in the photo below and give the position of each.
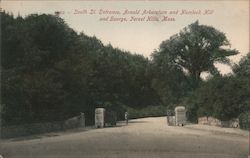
(219, 130)
(49, 134)
(141, 138)
(205, 128)
(56, 133)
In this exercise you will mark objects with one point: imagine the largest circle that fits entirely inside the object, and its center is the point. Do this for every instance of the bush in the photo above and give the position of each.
(224, 98)
(245, 120)
(150, 111)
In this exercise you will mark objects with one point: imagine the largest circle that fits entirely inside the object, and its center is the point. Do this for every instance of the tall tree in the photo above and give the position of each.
(195, 50)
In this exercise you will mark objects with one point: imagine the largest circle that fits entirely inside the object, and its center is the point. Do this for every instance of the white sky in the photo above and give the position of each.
(230, 17)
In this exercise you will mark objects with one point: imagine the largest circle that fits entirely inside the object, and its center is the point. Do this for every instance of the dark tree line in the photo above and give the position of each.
(49, 72)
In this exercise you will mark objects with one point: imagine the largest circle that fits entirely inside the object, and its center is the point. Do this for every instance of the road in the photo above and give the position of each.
(142, 138)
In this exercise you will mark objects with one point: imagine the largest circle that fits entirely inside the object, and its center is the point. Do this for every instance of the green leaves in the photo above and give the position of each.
(243, 68)
(195, 49)
(224, 98)
(52, 73)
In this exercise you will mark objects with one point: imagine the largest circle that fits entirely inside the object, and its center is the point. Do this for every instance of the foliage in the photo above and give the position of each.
(245, 120)
(150, 111)
(195, 50)
(169, 83)
(243, 68)
(222, 97)
(51, 73)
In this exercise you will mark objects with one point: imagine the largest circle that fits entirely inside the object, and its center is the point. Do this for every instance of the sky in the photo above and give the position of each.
(143, 37)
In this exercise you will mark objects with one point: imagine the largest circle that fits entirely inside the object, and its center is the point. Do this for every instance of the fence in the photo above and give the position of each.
(38, 128)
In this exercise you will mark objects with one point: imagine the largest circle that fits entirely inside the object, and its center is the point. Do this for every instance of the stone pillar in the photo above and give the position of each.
(82, 120)
(99, 117)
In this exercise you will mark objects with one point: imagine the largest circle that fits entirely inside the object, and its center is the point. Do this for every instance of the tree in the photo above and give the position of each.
(242, 74)
(195, 50)
(223, 97)
(243, 68)
(51, 73)
(168, 81)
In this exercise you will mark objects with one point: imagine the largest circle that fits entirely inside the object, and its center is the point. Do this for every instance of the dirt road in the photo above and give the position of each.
(142, 138)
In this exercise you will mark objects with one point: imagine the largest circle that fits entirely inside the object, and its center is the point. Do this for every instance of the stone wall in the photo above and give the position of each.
(74, 122)
(234, 123)
(171, 120)
(38, 128)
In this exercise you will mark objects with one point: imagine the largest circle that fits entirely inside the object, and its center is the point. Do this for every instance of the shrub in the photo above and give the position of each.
(245, 120)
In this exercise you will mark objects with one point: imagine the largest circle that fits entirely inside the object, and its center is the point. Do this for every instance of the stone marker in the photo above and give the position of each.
(99, 117)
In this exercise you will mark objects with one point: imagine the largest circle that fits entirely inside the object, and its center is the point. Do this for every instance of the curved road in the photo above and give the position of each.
(142, 138)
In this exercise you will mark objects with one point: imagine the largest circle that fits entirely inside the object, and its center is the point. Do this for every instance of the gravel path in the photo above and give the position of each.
(142, 138)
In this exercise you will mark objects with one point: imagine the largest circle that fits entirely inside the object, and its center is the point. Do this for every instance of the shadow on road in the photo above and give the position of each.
(51, 134)
(70, 131)
(59, 133)
(137, 121)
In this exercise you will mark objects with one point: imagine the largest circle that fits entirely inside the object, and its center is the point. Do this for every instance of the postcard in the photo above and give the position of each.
(125, 79)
